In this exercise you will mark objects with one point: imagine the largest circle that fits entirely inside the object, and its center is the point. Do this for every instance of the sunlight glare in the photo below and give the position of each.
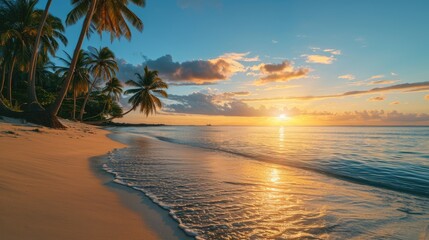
(282, 117)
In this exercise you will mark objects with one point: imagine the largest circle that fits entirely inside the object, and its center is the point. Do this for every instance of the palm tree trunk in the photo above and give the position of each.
(82, 110)
(9, 93)
(3, 79)
(123, 114)
(59, 100)
(31, 78)
(74, 106)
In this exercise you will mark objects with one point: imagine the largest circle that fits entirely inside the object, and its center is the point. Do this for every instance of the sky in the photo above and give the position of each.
(247, 62)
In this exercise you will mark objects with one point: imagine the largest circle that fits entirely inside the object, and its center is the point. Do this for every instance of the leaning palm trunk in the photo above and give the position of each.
(123, 114)
(74, 106)
(82, 110)
(3, 79)
(31, 73)
(59, 100)
(9, 93)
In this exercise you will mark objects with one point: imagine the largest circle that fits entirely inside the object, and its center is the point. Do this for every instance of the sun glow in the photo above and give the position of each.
(282, 117)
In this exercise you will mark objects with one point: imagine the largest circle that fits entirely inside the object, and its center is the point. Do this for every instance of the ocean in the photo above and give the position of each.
(223, 182)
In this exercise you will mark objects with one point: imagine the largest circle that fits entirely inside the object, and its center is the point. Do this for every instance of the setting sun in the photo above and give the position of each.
(283, 117)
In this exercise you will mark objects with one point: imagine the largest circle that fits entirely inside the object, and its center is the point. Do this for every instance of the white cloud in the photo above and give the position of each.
(333, 51)
(347, 77)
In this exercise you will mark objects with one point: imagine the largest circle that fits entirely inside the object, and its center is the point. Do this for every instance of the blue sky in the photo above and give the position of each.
(380, 39)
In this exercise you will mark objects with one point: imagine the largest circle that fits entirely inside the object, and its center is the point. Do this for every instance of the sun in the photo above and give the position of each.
(282, 117)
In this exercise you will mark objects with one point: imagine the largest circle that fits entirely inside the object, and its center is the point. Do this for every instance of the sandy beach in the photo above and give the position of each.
(48, 190)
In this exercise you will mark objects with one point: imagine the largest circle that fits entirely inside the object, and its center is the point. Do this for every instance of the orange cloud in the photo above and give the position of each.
(405, 87)
(376, 99)
(382, 82)
(427, 97)
(194, 72)
(376, 77)
(281, 72)
(319, 59)
(395, 103)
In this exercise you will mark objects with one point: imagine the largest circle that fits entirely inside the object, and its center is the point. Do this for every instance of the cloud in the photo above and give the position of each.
(333, 51)
(370, 82)
(281, 72)
(395, 103)
(381, 116)
(210, 104)
(377, 99)
(319, 59)
(376, 77)
(194, 72)
(405, 87)
(382, 82)
(274, 41)
(270, 68)
(347, 77)
(242, 57)
(427, 97)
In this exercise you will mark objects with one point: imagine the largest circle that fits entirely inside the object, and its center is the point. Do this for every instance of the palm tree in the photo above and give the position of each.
(81, 76)
(18, 25)
(31, 81)
(103, 66)
(49, 31)
(110, 15)
(113, 91)
(105, 15)
(143, 94)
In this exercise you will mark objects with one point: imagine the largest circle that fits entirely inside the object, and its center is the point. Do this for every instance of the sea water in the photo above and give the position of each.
(282, 182)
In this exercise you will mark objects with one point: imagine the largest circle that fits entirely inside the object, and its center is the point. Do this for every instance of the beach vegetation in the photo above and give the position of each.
(83, 85)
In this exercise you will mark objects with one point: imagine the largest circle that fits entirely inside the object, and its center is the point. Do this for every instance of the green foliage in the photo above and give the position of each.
(19, 23)
(144, 95)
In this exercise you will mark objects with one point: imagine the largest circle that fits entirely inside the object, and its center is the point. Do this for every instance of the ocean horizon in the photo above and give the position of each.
(240, 182)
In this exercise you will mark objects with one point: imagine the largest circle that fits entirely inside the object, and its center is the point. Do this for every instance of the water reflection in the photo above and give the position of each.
(227, 196)
(274, 176)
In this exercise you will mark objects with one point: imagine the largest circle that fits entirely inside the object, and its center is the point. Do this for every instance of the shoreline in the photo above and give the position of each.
(154, 215)
(50, 191)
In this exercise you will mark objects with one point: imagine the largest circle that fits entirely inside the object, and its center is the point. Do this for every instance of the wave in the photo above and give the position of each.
(120, 180)
(409, 185)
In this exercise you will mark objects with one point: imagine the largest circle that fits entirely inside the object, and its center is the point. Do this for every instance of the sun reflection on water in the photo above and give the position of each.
(274, 176)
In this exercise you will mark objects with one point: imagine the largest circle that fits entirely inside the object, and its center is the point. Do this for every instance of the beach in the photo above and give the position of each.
(50, 191)
(180, 182)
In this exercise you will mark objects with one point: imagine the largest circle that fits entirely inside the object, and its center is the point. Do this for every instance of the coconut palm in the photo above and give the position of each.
(31, 81)
(110, 15)
(105, 15)
(103, 67)
(19, 30)
(144, 95)
(113, 89)
(49, 34)
(81, 76)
